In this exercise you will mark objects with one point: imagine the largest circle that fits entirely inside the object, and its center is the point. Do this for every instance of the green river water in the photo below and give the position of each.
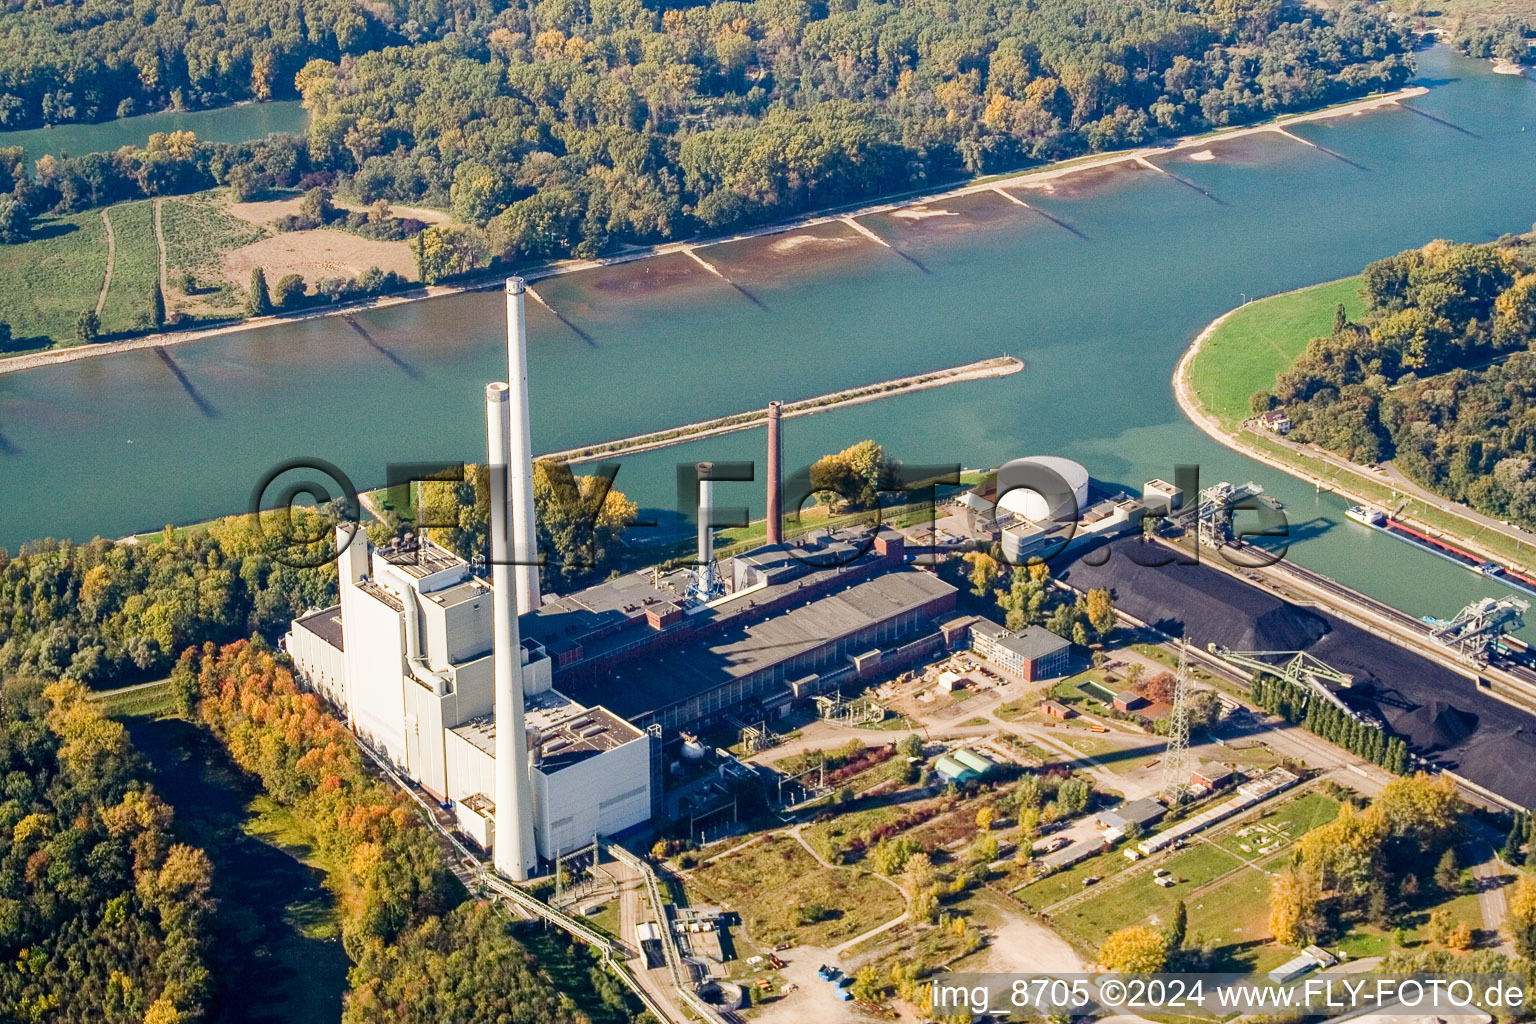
(1100, 305)
(226, 124)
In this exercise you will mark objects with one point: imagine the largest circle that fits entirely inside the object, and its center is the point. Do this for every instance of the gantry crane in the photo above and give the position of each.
(1303, 670)
(1477, 626)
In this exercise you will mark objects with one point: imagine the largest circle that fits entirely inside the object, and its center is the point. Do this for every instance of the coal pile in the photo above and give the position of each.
(1439, 712)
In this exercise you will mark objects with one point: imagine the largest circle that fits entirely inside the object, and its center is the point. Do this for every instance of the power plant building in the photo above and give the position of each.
(429, 661)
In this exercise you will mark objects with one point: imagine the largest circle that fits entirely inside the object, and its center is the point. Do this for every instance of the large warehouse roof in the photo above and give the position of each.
(643, 686)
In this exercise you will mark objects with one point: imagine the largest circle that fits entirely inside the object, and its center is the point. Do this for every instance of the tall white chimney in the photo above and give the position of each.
(524, 535)
(706, 512)
(513, 853)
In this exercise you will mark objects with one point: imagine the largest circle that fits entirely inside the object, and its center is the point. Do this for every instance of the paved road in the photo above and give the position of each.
(1488, 874)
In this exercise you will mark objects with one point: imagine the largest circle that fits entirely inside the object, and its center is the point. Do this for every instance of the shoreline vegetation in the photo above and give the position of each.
(1038, 178)
(1302, 314)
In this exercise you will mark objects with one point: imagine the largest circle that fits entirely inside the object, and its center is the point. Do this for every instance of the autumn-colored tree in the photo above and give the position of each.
(890, 856)
(1521, 922)
(868, 986)
(984, 571)
(1139, 949)
(922, 906)
(917, 874)
(984, 818)
(1160, 688)
(1292, 907)
(1101, 611)
(853, 476)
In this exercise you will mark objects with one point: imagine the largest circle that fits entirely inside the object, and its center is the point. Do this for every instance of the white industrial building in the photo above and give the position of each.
(409, 659)
(419, 656)
(539, 721)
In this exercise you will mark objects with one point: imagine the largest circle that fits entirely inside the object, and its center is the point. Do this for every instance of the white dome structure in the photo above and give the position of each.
(1035, 488)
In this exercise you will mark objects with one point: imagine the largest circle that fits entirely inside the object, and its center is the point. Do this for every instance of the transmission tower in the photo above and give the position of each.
(1175, 758)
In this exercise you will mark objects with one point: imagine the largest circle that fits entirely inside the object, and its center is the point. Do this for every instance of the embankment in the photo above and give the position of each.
(1326, 471)
(1035, 178)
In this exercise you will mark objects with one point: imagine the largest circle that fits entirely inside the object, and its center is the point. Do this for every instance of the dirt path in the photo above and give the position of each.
(880, 929)
(160, 242)
(106, 281)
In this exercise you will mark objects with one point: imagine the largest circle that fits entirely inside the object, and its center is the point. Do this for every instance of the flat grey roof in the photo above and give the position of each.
(641, 686)
(567, 731)
(589, 617)
(471, 589)
(325, 624)
(420, 557)
(1032, 642)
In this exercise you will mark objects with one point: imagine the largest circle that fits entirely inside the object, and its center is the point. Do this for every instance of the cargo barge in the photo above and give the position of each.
(1379, 519)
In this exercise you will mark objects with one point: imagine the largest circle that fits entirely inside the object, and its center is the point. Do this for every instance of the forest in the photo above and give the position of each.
(104, 917)
(104, 611)
(1374, 865)
(564, 127)
(98, 59)
(421, 953)
(1437, 375)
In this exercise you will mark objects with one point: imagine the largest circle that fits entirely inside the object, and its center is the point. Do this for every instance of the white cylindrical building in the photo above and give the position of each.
(514, 853)
(1037, 505)
(524, 529)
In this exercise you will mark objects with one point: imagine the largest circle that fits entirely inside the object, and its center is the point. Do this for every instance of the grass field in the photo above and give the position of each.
(153, 701)
(1235, 916)
(48, 282)
(135, 269)
(769, 882)
(197, 231)
(1054, 888)
(1262, 339)
(1279, 827)
(1140, 900)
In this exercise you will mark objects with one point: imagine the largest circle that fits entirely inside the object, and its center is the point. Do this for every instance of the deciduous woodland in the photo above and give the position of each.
(1437, 375)
(104, 918)
(569, 127)
(420, 955)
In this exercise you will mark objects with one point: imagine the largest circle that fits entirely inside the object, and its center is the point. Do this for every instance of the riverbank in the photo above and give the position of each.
(1311, 314)
(1000, 366)
(1041, 178)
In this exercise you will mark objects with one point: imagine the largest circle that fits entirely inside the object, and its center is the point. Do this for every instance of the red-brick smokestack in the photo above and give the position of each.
(775, 461)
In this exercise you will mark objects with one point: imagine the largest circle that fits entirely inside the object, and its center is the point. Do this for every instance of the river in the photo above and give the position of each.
(224, 124)
(1100, 301)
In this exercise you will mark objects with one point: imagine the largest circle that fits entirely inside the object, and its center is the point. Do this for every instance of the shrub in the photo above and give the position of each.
(289, 292)
(813, 913)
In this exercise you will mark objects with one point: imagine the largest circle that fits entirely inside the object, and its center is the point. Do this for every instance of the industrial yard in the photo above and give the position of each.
(801, 779)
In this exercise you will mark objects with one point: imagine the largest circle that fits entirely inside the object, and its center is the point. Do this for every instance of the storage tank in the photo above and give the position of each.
(1036, 488)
